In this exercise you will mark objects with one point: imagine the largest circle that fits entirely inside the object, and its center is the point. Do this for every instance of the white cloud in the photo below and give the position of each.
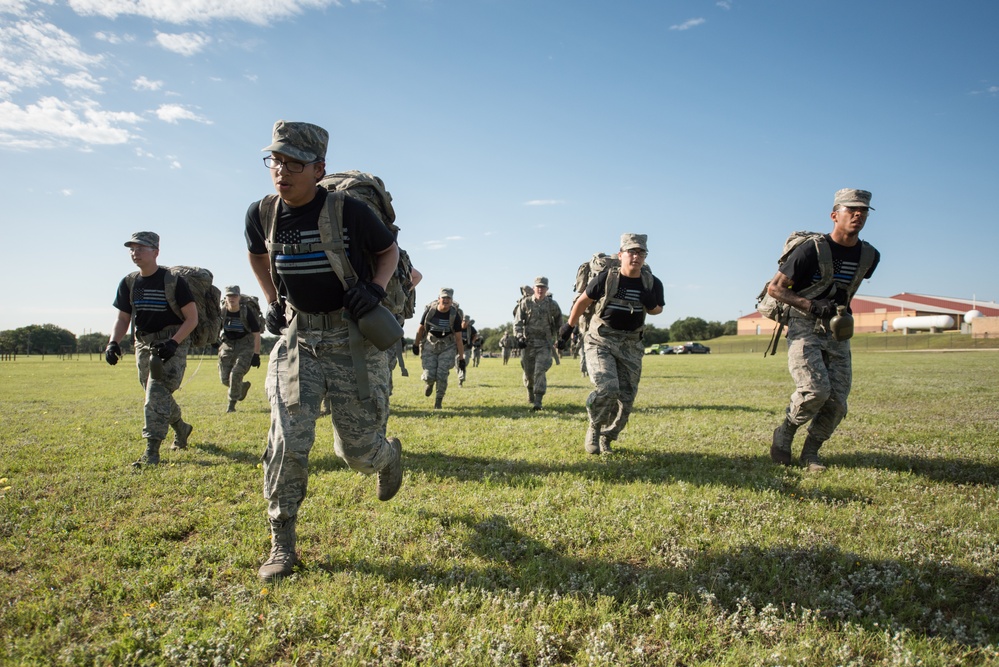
(544, 202)
(434, 245)
(687, 25)
(53, 122)
(32, 53)
(81, 81)
(173, 113)
(260, 12)
(174, 164)
(66, 192)
(142, 83)
(186, 44)
(454, 238)
(724, 4)
(15, 7)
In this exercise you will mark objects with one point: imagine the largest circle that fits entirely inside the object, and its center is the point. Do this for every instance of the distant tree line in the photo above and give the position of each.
(688, 329)
(50, 339)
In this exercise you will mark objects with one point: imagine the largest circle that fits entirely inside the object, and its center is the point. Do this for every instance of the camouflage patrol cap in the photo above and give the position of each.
(302, 141)
(541, 281)
(851, 197)
(629, 241)
(446, 291)
(151, 239)
(232, 290)
(467, 318)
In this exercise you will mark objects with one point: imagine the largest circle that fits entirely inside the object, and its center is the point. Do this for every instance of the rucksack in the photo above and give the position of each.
(206, 298)
(400, 294)
(247, 303)
(780, 312)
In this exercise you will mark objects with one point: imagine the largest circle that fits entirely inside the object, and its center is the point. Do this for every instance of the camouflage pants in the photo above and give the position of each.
(506, 355)
(614, 362)
(326, 370)
(438, 358)
(536, 359)
(823, 374)
(476, 355)
(234, 363)
(160, 409)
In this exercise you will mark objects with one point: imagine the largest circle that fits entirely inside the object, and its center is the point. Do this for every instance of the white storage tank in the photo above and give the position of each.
(923, 323)
(972, 315)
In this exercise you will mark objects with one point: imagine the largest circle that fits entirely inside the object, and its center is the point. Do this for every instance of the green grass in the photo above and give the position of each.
(507, 544)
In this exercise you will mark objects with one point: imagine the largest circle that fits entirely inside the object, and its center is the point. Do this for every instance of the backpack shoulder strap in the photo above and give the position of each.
(826, 271)
(331, 239)
(867, 254)
(425, 322)
(170, 288)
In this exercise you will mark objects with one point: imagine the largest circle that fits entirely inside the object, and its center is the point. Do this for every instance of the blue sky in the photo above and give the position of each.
(517, 138)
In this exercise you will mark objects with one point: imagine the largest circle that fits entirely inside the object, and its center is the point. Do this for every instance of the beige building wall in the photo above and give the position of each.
(985, 327)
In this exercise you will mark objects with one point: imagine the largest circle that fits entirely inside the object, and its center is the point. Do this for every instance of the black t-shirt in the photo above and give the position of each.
(439, 324)
(232, 324)
(630, 289)
(307, 280)
(152, 311)
(802, 265)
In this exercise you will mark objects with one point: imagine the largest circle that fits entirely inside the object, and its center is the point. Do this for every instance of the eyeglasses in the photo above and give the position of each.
(290, 166)
(637, 252)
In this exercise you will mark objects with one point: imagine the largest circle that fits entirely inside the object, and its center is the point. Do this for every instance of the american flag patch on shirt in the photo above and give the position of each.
(303, 263)
(152, 300)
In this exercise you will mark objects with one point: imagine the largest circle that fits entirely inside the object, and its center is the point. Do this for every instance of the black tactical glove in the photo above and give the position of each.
(362, 298)
(255, 361)
(565, 332)
(462, 365)
(521, 342)
(166, 349)
(216, 345)
(112, 353)
(416, 349)
(275, 320)
(822, 308)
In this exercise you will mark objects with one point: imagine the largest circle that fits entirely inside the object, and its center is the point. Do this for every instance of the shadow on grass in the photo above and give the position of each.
(749, 586)
(237, 455)
(624, 467)
(938, 469)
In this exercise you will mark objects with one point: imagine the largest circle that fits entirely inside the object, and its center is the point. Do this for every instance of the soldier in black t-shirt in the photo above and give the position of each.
(163, 312)
(319, 354)
(239, 346)
(820, 362)
(438, 340)
(613, 339)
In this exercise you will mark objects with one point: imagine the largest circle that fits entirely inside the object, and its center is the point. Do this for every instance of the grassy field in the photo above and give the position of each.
(508, 545)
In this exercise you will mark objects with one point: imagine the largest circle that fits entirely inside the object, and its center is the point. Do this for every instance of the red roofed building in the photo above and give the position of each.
(876, 313)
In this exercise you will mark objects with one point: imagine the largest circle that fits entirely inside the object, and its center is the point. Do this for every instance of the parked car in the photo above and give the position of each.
(691, 348)
(666, 349)
(657, 348)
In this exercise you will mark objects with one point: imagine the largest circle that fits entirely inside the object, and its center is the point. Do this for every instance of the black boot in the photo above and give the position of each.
(780, 450)
(152, 455)
(810, 455)
(282, 560)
